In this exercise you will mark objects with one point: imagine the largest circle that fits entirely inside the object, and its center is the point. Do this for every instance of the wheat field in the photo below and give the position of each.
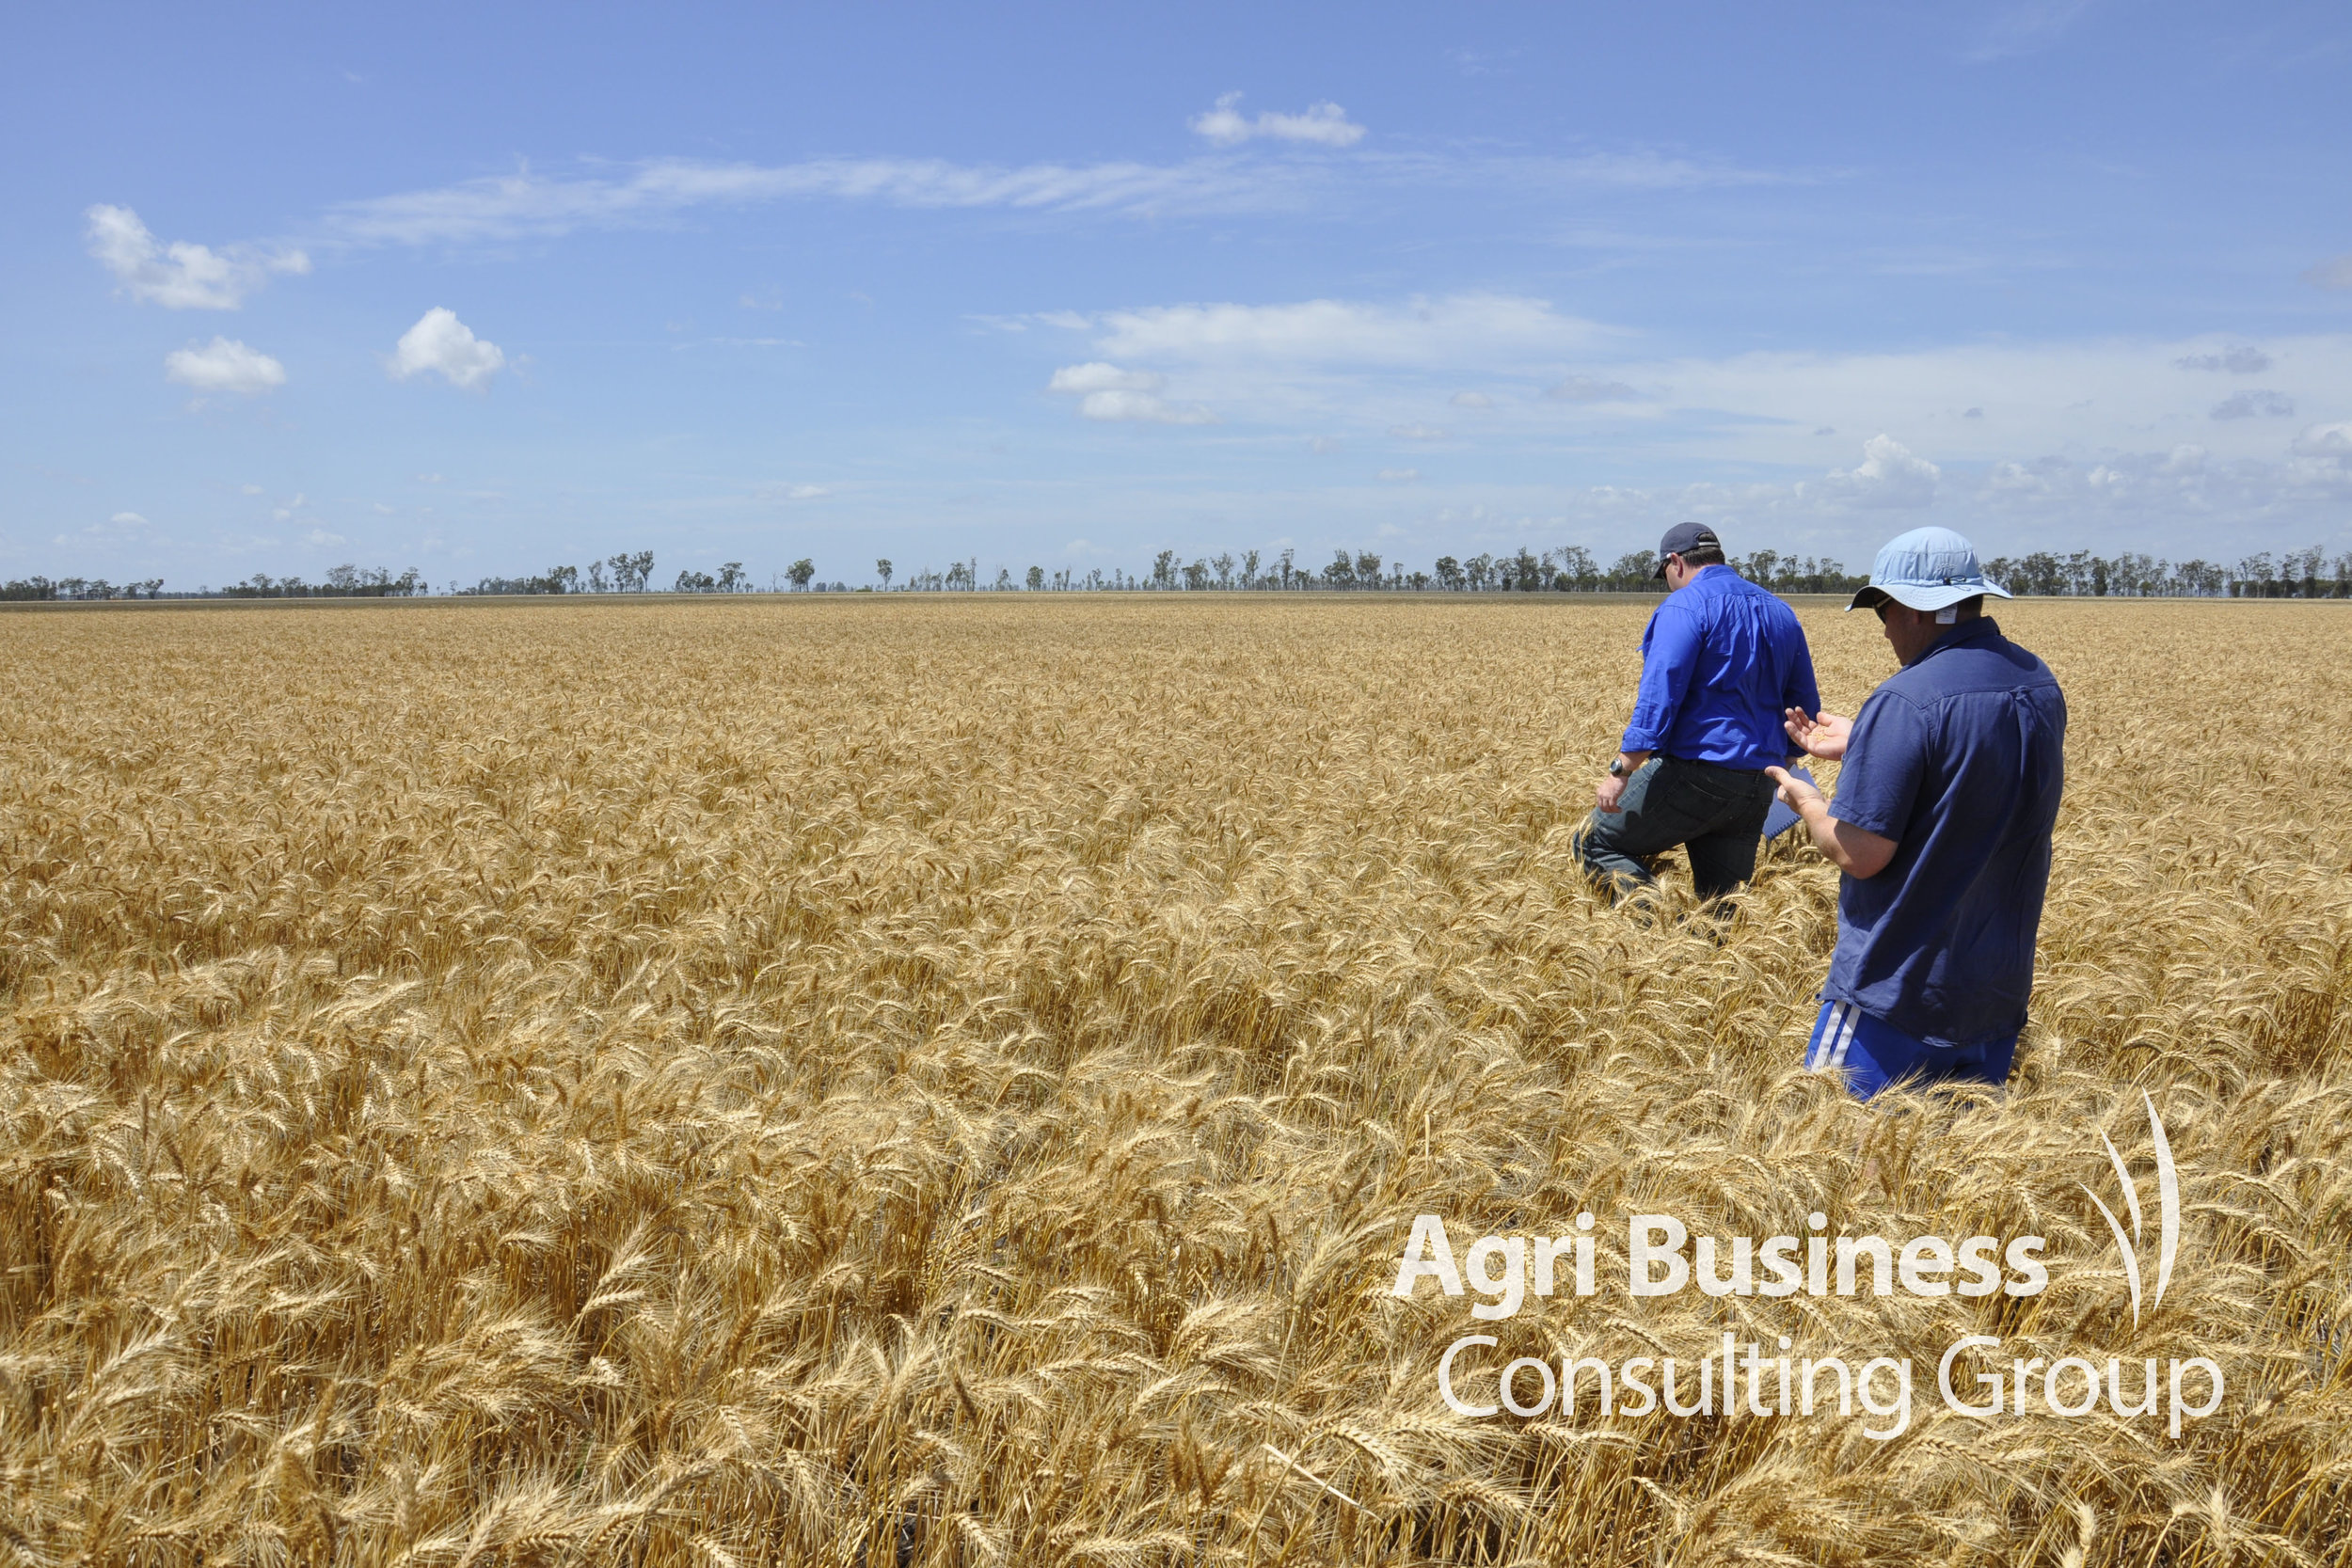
(874, 1081)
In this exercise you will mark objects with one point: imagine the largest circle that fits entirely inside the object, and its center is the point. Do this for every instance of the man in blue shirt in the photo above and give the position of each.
(1722, 661)
(1949, 789)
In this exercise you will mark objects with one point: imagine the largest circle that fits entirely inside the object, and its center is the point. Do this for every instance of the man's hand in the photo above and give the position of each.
(1856, 851)
(1795, 792)
(1822, 736)
(1612, 790)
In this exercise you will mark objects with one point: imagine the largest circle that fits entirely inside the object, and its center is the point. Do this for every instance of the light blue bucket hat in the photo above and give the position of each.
(1927, 569)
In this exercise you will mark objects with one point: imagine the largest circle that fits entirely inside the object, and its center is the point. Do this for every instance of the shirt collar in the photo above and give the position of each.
(1967, 633)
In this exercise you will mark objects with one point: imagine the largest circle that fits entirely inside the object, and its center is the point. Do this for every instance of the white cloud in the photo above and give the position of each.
(180, 276)
(320, 538)
(2238, 359)
(1325, 123)
(1142, 408)
(1887, 476)
(2329, 442)
(1587, 388)
(224, 365)
(1419, 433)
(1323, 446)
(128, 519)
(1471, 400)
(439, 342)
(1109, 393)
(2254, 405)
(1460, 329)
(1400, 476)
(1096, 376)
(2335, 272)
(788, 491)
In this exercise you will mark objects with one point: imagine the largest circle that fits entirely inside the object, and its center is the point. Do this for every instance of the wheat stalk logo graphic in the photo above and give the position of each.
(2167, 1211)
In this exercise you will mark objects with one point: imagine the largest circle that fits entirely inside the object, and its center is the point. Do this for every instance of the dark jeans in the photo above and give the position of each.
(1717, 815)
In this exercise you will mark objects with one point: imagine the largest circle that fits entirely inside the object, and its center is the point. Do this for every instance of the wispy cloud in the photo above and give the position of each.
(533, 204)
(1590, 389)
(1457, 329)
(2335, 272)
(181, 275)
(1108, 394)
(524, 204)
(2254, 405)
(649, 192)
(2027, 28)
(2238, 359)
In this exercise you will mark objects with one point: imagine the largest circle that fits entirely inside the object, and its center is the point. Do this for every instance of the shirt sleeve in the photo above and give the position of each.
(1670, 653)
(1799, 689)
(1886, 756)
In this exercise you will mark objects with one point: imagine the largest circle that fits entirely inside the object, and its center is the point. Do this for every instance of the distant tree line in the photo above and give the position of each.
(342, 582)
(2305, 574)
(79, 588)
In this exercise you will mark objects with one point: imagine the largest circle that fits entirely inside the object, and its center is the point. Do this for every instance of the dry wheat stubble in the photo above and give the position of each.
(894, 1080)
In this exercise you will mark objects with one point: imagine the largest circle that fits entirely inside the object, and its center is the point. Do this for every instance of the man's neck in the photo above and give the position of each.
(1953, 634)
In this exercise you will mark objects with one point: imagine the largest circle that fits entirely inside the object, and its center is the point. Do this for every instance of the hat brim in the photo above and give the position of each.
(1923, 595)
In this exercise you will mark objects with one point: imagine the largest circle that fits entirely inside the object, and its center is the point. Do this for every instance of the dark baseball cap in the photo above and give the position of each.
(1682, 539)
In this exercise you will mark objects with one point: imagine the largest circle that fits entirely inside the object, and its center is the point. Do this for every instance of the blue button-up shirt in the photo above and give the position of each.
(1959, 757)
(1722, 661)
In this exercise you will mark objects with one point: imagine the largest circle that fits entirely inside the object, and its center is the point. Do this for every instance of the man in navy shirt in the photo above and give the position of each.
(1722, 661)
(1949, 789)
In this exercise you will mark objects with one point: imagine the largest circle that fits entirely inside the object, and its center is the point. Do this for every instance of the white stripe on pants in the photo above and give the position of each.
(1836, 1037)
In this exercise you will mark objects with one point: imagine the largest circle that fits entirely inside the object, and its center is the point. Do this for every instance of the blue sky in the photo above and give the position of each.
(488, 290)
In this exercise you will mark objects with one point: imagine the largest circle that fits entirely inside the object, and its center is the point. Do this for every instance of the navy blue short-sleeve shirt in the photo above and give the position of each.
(1959, 757)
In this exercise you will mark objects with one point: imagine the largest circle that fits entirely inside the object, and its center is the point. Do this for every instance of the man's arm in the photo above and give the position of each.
(1856, 851)
(1670, 654)
(1800, 693)
(1668, 662)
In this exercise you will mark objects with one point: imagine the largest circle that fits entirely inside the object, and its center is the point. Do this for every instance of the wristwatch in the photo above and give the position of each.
(1616, 767)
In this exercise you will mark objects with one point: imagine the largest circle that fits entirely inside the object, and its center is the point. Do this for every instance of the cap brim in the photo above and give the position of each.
(1924, 595)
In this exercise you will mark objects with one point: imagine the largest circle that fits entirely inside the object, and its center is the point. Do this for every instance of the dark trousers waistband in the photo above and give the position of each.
(1716, 766)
